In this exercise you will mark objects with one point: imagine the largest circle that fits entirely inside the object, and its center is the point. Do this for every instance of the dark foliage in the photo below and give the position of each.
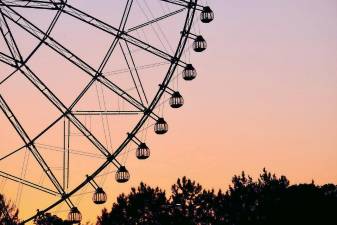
(8, 212)
(144, 205)
(269, 200)
(49, 219)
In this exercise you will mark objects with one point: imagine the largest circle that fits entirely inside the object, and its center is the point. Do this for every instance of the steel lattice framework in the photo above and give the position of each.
(123, 36)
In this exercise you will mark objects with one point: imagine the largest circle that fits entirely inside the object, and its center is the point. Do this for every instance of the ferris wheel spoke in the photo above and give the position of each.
(155, 20)
(44, 37)
(131, 72)
(31, 4)
(30, 145)
(7, 60)
(105, 113)
(30, 75)
(84, 17)
(27, 183)
(98, 74)
(12, 47)
(116, 39)
(187, 4)
(66, 113)
(166, 81)
(128, 39)
(62, 108)
(176, 2)
(9, 39)
(136, 71)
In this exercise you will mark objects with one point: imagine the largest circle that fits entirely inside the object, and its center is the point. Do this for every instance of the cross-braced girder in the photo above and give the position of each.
(31, 76)
(7, 60)
(70, 56)
(99, 24)
(25, 70)
(28, 183)
(56, 102)
(30, 145)
(122, 37)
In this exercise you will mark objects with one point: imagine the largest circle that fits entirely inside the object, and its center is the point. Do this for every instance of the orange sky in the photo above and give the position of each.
(265, 96)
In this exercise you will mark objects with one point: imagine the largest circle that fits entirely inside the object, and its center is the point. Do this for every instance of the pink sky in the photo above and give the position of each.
(265, 96)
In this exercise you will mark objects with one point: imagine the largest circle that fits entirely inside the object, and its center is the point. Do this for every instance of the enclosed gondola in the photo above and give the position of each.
(142, 152)
(189, 72)
(122, 175)
(161, 127)
(176, 100)
(99, 197)
(199, 44)
(206, 15)
(74, 216)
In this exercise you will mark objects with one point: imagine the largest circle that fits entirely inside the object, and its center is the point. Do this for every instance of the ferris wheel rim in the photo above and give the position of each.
(169, 74)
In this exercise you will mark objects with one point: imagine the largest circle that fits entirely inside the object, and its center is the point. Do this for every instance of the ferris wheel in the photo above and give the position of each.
(81, 83)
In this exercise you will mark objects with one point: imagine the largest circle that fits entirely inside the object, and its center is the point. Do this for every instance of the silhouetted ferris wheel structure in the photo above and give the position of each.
(129, 40)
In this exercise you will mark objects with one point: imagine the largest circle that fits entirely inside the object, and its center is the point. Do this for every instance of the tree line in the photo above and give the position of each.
(268, 200)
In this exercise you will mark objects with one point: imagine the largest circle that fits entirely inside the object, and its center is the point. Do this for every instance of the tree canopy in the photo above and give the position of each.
(8, 212)
(269, 200)
(49, 219)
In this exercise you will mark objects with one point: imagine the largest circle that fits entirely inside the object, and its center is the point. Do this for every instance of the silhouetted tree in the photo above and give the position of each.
(143, 205)
(8, 212)
(206, 204)
(250, 202)
(269, 200)
(184, 206)
(49, 219)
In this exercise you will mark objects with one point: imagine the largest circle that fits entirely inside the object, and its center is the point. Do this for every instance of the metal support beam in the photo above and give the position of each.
(31, 4)
(66, 152)
(30, 145)
(61, 107)
(42, 36)
(30, 75)
(7, 60)
(100, 113)
(187, 4)
(155, 20)
(28, 183)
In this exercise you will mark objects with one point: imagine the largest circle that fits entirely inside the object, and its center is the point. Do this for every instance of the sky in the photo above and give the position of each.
(265, 97)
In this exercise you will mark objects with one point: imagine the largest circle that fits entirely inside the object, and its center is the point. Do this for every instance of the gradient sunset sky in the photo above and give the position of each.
(265, 96)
